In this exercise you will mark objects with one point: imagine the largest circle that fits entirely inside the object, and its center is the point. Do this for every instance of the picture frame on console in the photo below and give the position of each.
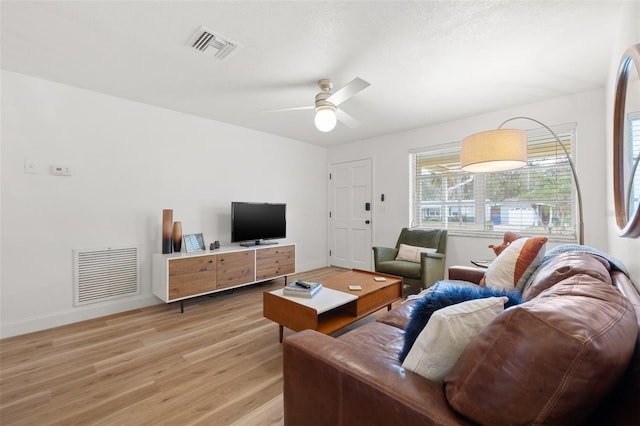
(194, 243)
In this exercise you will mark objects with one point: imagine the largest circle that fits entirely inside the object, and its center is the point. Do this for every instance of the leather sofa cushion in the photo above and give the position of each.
(399, 316)
(330, 381)
(400, 267)
(377, 339)
(563, 266)
(548, 361)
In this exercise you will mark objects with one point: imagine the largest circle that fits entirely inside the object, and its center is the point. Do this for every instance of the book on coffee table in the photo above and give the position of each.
(296, 290)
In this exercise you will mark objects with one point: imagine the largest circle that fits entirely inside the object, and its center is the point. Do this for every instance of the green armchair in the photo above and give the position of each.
(415, 275)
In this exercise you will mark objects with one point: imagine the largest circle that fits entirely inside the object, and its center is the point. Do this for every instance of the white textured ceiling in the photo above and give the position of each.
(427, 61)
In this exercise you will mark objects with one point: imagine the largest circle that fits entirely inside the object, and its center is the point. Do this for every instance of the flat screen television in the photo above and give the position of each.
(254, 223)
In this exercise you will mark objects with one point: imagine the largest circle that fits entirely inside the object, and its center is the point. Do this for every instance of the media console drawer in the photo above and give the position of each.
(190, 276)
(179, 276)
(235, 268)
(275, 262)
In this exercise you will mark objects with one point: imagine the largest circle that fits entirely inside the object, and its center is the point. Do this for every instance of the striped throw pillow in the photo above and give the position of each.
(516, 263)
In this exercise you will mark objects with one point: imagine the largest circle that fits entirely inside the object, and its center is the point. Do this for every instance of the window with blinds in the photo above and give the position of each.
(537, 199)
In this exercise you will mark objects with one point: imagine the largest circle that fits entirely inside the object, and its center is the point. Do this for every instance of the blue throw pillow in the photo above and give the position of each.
(443, 295)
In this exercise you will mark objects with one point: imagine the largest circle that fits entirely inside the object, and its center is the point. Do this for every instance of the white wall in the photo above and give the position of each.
(625, 249)
(129, 161)
(391, 169)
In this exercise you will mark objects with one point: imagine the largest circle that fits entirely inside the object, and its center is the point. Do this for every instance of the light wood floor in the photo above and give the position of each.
(219, 363)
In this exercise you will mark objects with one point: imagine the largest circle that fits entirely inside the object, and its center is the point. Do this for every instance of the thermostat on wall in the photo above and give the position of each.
(61, 170)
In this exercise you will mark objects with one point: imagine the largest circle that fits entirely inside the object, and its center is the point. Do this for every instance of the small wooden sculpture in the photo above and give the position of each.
(508, 238)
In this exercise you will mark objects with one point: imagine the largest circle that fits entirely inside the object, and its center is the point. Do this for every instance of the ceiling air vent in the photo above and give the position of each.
(209, 42)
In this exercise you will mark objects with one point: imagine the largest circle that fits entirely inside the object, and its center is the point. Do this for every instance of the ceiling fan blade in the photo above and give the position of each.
(356, 85)
(290, 109)
(346, 119)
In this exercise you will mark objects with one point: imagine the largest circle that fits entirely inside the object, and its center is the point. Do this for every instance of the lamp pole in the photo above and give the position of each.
(573, 171)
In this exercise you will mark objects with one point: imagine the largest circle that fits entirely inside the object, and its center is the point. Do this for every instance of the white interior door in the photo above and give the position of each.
(350, 214)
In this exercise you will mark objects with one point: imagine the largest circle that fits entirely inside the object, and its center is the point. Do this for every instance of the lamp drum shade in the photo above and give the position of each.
(494, 151)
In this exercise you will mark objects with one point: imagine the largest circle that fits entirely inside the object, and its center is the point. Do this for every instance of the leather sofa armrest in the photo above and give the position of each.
(327, 381)
(466, 273)
(382, 254)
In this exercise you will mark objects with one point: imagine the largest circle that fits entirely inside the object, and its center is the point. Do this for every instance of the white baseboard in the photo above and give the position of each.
(99, 310)
(310, 266)
(76, 315)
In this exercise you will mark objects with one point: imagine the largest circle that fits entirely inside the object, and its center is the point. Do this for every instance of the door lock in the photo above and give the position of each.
(367, 221)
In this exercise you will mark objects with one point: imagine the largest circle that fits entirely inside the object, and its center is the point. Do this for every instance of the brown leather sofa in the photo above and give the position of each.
(569, 354)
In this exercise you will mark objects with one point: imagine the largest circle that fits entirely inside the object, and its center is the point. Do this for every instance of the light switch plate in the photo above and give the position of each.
(31, 167)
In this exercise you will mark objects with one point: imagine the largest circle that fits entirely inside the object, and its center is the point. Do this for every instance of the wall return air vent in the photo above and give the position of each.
(104, 274)
(206, 41)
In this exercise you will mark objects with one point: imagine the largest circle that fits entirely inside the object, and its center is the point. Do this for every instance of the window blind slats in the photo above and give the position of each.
(533, 200)
(446, 161)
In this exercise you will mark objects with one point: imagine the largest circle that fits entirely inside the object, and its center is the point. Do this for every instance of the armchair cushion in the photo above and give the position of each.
(401, 268)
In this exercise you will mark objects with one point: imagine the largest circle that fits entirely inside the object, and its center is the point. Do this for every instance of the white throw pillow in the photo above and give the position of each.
(412, 253)
(447, 334)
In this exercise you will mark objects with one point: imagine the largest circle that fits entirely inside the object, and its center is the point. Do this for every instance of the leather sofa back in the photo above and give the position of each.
(547, 361)
(622, 406)
(563, 266)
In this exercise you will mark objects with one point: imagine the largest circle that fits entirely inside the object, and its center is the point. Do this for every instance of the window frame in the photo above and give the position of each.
(568, 134)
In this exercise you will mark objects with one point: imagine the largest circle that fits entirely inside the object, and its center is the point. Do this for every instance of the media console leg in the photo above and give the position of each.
(281, 331)
(182, 306)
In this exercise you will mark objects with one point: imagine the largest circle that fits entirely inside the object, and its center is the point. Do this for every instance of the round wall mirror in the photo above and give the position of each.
(626, 144)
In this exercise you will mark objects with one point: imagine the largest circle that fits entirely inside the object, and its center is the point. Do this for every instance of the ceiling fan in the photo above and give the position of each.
(326, 105)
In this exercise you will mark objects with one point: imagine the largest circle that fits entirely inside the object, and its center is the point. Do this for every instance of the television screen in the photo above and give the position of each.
(257, 221)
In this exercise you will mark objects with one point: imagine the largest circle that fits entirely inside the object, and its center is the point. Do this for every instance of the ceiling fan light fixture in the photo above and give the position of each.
(325, 119)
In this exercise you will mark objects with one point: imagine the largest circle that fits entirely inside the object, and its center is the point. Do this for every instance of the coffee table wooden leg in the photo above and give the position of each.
(388, 307)
(281, 330)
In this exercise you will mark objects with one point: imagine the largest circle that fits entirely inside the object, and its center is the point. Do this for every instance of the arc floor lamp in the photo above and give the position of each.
(506, 149)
